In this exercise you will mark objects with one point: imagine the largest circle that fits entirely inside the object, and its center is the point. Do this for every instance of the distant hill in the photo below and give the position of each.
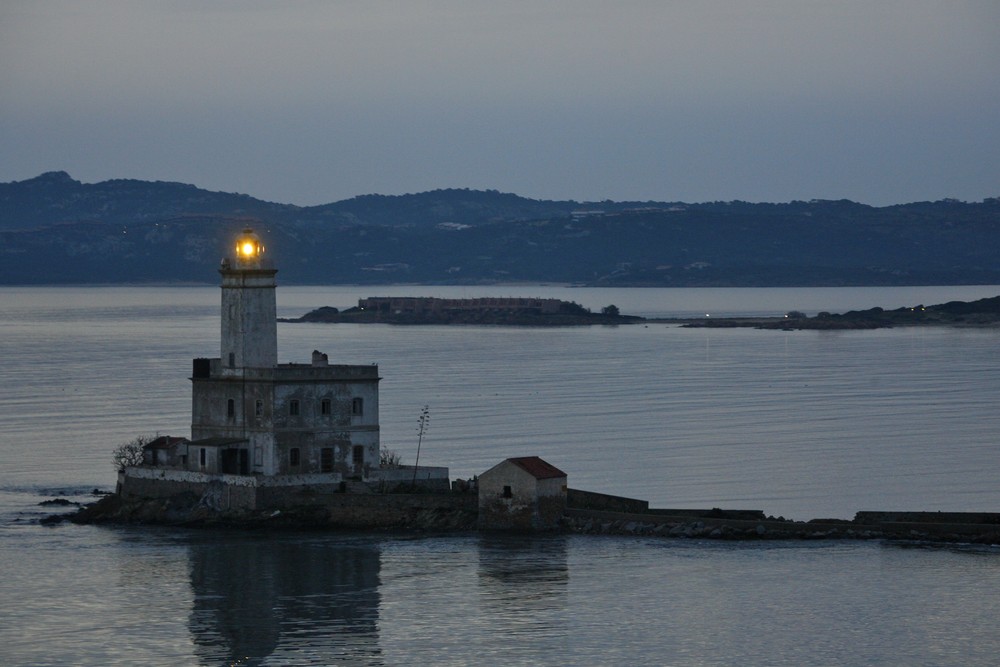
(54, 229)
(980, 313)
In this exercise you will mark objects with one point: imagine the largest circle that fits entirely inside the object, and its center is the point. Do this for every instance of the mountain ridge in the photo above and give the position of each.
(55, 229)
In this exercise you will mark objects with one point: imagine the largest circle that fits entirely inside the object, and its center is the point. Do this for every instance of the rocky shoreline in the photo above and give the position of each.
(776, 529)
(186, 510)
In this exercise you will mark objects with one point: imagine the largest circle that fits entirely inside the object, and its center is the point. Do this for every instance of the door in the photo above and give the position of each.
(230, 461)
(236, 462)
(358, 458)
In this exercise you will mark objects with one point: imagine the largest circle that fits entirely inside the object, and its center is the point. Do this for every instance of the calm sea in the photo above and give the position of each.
(799, 424)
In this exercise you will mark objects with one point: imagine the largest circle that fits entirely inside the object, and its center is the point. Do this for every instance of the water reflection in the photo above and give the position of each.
(523, 584)
(301, 599)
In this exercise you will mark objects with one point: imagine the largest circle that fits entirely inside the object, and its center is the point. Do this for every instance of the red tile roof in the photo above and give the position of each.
(537, 468)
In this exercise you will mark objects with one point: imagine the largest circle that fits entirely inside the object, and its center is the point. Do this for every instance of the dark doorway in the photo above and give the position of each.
(235, 462)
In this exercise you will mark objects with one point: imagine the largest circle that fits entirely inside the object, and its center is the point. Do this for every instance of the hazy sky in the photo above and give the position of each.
(310, 102)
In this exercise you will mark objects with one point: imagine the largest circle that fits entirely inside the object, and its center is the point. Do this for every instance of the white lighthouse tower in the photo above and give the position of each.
(249, 315)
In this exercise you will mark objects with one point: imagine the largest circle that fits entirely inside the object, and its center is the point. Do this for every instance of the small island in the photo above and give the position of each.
(511, 311)
(523, 311)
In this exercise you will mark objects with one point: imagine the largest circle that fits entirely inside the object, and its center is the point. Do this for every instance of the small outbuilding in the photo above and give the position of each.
(166, 451)
(524, 494)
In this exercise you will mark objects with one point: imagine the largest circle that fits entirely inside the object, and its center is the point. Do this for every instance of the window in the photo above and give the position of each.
(359, 455)
(293, 457)
(325, 406)
(326, 459)
(258, 408)
(231, 409)
(293, 407)
(232, 359)
(507, 492)
(358, 406)
(202, 456)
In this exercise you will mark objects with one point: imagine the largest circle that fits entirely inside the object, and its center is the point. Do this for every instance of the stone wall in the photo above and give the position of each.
(873, 518)
(247, 493)
(428, 478)
(601, 501)
(231, 492)
(228, 492)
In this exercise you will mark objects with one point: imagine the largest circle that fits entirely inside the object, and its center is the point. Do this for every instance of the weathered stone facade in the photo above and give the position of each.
(289, 418)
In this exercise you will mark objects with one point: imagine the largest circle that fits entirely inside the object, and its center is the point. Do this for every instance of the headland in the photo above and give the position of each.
(979, 313)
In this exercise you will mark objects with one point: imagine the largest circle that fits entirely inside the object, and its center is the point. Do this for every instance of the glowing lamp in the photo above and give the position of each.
(248, 246)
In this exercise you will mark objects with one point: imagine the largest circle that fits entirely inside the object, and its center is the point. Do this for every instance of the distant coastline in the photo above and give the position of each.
(979, 313)
(555, 312)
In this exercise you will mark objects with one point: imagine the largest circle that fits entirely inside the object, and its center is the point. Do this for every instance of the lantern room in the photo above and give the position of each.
(249, 250)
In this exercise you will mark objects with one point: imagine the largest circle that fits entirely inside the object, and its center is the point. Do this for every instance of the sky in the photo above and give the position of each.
(310, 102)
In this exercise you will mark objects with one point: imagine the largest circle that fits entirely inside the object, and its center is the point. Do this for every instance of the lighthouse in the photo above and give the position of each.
(251, 415)
(249, 312)
(270, 435)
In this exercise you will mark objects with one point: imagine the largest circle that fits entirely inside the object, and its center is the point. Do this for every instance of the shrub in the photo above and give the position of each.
(129, 453)
(388, 458)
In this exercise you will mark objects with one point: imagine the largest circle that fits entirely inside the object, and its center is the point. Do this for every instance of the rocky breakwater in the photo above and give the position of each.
(720, 527)
(969, 528)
